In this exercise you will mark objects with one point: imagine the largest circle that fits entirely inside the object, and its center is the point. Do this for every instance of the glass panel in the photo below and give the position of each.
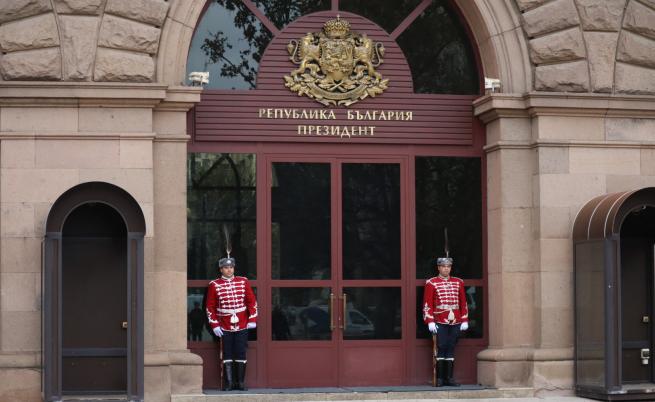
(300, 314)
(590, 313)
(221, 196)
(282, 12)
(300, 198)
(441, 59)
(371, 221)
(388, 14)
(228, 43)
(474, 301)
(373, 313)
(449, 194)
(198, 328)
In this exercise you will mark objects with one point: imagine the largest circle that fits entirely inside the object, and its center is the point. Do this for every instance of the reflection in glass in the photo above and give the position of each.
(371, 220)
(300, 198)
(388, 14)
(282, 12)
(448, 194)
(198, 329)
(300, 314)
(441, 58)
(228, 43)
(474, 300)
(220, 193)
(372, 313)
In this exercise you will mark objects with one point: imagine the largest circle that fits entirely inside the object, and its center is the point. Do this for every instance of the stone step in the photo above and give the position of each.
(358, 393)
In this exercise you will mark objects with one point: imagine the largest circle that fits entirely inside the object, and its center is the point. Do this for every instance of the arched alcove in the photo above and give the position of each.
(94, 234)
(614, 245)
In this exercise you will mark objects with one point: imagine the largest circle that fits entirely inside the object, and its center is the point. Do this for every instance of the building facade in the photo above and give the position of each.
(117, 178)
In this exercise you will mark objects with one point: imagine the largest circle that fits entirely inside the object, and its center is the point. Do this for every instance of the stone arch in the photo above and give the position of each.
(495, 26)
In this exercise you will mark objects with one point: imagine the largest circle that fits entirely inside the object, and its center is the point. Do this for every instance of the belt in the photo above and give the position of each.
(448, 306)
(231, 311)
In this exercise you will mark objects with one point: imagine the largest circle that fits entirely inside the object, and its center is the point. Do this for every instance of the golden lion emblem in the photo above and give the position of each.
(336, 66)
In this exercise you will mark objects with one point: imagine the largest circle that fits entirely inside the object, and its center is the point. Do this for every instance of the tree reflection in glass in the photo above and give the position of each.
(220, 192)
(448, 195)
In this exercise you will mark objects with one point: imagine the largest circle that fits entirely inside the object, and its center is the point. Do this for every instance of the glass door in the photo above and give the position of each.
(370, 279)
(302, 281)
(335, 273)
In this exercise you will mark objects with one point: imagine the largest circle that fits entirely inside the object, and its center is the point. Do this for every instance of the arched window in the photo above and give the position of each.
(232, 36)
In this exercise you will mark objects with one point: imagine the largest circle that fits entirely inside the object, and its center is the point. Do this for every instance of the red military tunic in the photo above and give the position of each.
(231, 303)
(444, 301)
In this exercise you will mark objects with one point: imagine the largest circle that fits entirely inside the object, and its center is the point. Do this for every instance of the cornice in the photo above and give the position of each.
(91, 94)
(528, 145)
(494, 106)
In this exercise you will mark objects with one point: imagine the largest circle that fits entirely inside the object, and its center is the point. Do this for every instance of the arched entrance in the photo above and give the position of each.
(336, 228)
(614, 240)
(93, 294)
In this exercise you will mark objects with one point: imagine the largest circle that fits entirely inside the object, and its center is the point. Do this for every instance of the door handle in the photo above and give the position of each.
(645, 356)
(332, 312)
(345, 304)
(124, 325)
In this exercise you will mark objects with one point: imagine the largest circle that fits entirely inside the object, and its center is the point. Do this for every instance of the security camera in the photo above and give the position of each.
(491, 84)
(199, 78)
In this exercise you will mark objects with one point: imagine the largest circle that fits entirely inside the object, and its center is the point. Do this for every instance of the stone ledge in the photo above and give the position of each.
(493, 106)
(73, 135)
(104, 90)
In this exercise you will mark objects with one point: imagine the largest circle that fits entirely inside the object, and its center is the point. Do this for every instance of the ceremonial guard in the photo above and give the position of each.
(232, 311)
(446, 314)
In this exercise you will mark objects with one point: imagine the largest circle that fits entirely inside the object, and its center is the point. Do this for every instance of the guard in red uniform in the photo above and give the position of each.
(446, 314)
(232, 311)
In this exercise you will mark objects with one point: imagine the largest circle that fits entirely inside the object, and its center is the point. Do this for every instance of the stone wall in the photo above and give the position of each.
(602, 46)
(80, 40)
(54, 136)
(547, 155)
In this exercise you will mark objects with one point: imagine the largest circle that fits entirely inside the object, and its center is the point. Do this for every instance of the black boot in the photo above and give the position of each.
(228, 377)
(441, 372)
(240, 383)
(448, 381)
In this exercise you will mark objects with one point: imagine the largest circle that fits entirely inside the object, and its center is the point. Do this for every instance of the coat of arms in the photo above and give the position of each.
(336, 66)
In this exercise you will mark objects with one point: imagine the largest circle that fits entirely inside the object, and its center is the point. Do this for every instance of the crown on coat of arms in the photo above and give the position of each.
(335, 29)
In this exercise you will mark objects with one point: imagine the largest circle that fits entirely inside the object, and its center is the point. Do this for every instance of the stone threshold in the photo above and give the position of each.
(357, 393)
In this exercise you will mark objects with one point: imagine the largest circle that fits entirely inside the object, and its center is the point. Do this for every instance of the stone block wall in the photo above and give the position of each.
(600, 46)
(80, 40)
(54, 137)
(548, 155)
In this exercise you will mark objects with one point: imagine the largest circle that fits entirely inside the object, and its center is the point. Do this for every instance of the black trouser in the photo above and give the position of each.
(235, 345)
(447, 336)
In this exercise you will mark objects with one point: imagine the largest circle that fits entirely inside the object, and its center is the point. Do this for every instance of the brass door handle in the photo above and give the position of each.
(332, 312)
(124, 325)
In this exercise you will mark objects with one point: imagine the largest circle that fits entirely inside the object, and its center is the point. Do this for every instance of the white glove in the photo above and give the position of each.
(251, 325)
(464, 326)
(218, 332)
(432, 327)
